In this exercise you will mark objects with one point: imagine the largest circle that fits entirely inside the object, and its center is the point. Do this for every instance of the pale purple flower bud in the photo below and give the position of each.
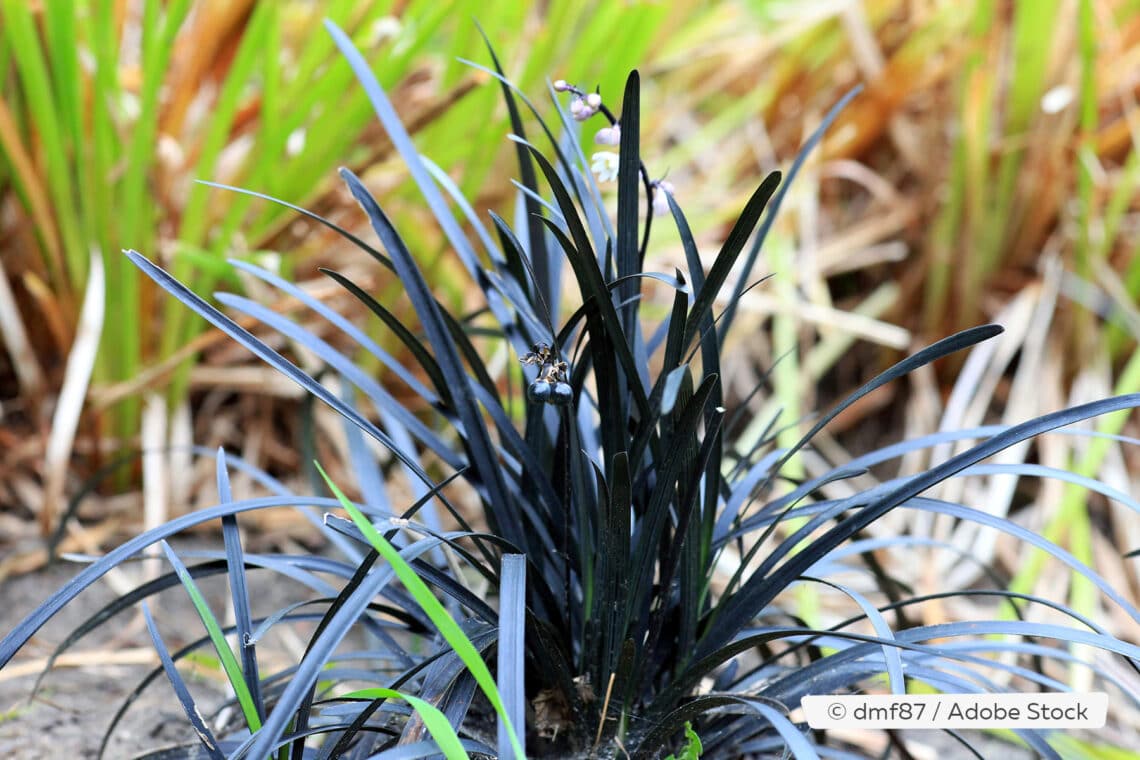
(560, 85)
(594, 101)
(661, 190)
(608, 135)
(581, 110)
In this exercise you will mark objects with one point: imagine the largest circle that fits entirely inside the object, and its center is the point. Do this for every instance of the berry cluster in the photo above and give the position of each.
(550, 386)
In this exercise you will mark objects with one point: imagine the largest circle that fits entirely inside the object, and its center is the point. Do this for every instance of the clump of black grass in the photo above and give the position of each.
(609, 509)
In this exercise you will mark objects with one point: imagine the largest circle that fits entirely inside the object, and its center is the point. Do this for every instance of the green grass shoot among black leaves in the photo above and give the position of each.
(611, 498)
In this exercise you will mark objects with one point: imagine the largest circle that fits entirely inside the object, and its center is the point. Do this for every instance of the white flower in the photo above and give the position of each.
(594, 101)
(608, 135)
(604, 165)
(560, 85)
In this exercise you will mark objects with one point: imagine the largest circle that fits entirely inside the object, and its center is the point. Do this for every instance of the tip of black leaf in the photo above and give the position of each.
(992, 329)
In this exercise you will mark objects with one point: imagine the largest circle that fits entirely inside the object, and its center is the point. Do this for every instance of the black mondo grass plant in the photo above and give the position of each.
(612, 496)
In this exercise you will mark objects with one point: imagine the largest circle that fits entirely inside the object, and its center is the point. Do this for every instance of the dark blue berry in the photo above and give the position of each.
(539, 391)
(562, 394)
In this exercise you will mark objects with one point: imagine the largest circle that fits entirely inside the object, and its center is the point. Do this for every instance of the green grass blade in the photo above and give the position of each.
(196, 219)
(221, 646)
(436, 721)
(46, 121)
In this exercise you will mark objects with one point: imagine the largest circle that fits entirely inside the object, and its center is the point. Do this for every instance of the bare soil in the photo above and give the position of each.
(75, 703)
